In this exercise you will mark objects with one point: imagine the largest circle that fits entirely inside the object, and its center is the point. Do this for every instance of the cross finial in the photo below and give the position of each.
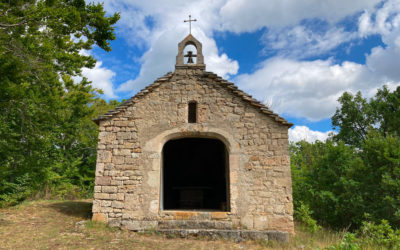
(190, 23)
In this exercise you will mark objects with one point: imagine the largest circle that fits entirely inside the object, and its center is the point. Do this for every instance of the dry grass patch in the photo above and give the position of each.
(67, 225)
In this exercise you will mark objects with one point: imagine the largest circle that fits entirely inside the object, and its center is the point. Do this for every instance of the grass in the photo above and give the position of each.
(67, 225)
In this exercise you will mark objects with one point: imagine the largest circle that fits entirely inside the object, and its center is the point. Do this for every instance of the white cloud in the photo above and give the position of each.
(384, 21)
(301, 42)
(310, 89)
(244, 15)
(381, 20)
(101, 78)
(305, 88)
(364, 24)
(385, 62)
(299, 133)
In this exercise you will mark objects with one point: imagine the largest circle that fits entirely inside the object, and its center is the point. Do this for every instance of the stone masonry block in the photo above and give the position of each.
(96, 206)
(105, 203)
(119, 160)
(99, 217)
(97, 189)
(101, 196)
(104, 156)
(109, 189)
(121, 151)
(117, 204)
(103, 180)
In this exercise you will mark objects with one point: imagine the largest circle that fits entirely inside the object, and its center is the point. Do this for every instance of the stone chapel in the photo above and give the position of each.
(192, 151)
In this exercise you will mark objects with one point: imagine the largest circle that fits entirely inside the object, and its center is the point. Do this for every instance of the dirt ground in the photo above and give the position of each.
(67, 225)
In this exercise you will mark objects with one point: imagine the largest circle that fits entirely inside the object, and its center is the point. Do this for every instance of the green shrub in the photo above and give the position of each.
(303, 214)
(379, 234)
(349, 242)
(11, 193)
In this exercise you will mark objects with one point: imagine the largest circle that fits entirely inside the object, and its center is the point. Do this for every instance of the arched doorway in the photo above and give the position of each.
(195, 175)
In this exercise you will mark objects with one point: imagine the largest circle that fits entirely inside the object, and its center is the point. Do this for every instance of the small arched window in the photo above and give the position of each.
(192, 112)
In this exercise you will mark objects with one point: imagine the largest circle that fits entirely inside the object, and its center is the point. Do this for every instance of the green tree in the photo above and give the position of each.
(354, 118)
(386, 106)
(325, 178)
(357, 116)
(374, 128)
(380, 178)
(46, 134)
(358, 172)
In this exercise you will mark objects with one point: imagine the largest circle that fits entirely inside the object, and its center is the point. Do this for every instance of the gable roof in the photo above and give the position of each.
(231, 87)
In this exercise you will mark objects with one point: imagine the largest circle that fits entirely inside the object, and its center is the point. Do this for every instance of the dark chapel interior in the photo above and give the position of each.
(195, 175)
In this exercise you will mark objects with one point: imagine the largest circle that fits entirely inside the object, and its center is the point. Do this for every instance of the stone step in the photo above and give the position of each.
(193, 224)
(236, 234)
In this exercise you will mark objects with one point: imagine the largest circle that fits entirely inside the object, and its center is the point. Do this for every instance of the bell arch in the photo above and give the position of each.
(190, 40)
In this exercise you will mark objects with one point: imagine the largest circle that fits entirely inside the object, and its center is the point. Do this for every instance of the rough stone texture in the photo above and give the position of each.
(237, 235)
(128, 172)
(99, 217)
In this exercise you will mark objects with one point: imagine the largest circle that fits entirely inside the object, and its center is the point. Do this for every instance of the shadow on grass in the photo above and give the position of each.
(4, 222)
(80, 209)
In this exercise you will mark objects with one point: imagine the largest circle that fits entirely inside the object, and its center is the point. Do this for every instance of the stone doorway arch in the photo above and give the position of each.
(155, 145)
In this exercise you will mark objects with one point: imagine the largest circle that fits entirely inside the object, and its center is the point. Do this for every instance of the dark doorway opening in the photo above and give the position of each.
(195, 175)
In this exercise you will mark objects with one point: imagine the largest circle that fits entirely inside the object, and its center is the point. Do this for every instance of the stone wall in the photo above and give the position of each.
(128, 172)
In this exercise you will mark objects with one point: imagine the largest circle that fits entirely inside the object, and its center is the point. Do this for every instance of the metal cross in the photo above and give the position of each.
(190, 23)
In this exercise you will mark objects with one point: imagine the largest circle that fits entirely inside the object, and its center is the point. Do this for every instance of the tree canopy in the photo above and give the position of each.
(357, 116)
(47, 138)
(355, 175)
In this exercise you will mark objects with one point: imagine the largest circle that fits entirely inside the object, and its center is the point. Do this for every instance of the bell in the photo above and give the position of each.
(190, 56)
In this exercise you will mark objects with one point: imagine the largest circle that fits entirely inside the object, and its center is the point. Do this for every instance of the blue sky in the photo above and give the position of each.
(297, 56)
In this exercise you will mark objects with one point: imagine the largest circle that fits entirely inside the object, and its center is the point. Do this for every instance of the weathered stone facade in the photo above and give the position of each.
(128, 188)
